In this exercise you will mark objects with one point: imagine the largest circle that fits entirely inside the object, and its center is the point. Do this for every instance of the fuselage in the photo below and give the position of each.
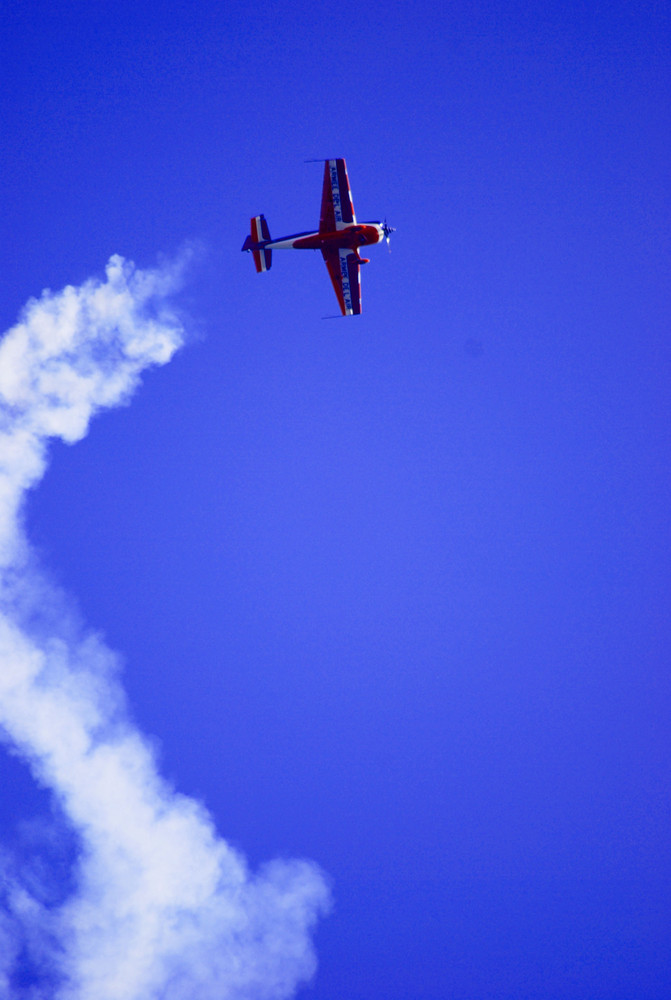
(351, 236)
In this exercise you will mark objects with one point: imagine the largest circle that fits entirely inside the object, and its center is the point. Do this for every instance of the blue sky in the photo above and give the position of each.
(391, 593)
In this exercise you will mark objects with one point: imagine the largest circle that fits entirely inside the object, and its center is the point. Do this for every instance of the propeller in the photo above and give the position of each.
(387, 230)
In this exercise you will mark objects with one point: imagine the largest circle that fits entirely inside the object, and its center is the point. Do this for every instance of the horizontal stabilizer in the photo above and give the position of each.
(260, 229)
(263, 259)
(260, 235)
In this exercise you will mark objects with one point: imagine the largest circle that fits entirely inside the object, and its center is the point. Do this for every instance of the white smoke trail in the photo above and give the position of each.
(160, 907)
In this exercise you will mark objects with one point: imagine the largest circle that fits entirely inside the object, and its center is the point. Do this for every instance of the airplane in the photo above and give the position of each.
(339, 237)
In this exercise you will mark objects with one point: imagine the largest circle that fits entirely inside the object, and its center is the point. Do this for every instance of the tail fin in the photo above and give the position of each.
(263, 258)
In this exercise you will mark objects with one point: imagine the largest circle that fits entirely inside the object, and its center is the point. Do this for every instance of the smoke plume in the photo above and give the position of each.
(153, 903)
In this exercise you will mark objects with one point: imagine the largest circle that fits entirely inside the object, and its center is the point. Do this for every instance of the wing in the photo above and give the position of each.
(337, 208)
(345, 272)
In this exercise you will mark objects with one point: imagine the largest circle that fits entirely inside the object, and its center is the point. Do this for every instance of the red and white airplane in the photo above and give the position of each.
(339, 237)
